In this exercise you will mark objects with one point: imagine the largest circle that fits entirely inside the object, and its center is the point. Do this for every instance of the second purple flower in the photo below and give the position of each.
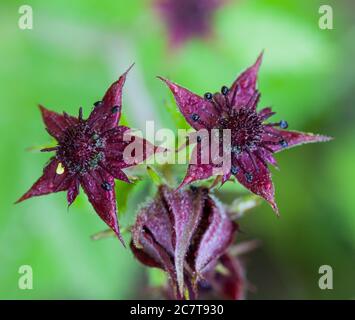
(253, 140)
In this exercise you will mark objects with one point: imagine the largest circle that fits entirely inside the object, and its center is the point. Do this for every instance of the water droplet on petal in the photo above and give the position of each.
(115, 109)
(106, 186)
(283, 143)
(60, 169)
(224, 90)
(208, 96)
(234, 170)
(249, 177)
(195, 117)
(283, 124)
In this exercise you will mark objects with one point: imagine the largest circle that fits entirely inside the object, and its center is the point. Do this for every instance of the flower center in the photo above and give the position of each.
(246, 129)
(81, 150)
(190, 14)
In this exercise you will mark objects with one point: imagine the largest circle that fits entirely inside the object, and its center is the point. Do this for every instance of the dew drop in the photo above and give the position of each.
(283, 143)
(208, 96)
(115, 109)
(60, 169)
(234, 170)
(106, 186)
(283, 124)
(224, 90)
(249, 177)
(195, 117)
(236, 149)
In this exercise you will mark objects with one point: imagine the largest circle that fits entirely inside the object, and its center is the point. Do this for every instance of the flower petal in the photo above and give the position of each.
(154, 227)
(116, 134)
(255, 176)
(152, 238)
(265, 113)
(267, 156)
(49, 182)
(232, 284)
(73, 191)
(198, 112)
(119, 174)
(56, 124)
(216, 239)
(244, 88)
(150, 253)
(291, 139)
(100, 189)
(115, 142)
(114, 153)
(107, 113)
(187, 209)
(138, 149)
(158, 220)
(150, 256)
(197, 170)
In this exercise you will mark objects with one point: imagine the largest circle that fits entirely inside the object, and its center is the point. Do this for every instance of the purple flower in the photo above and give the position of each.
(88, 153)
(187, 19)
(185, 233)
(253, 141)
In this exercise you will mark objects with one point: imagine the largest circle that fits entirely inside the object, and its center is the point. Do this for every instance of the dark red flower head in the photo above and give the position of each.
(89, 153)
(185, 233)
(187, 19)
(253, 141)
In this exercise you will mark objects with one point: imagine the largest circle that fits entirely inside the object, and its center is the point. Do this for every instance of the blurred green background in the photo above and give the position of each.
(77, 48)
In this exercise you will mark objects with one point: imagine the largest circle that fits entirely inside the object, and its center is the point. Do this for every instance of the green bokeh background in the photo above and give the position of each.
(77, 48)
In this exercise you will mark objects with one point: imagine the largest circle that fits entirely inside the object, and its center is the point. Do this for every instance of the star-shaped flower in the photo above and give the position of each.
(89, 153)
(185, 233)
(187, 19)
(253, 141)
